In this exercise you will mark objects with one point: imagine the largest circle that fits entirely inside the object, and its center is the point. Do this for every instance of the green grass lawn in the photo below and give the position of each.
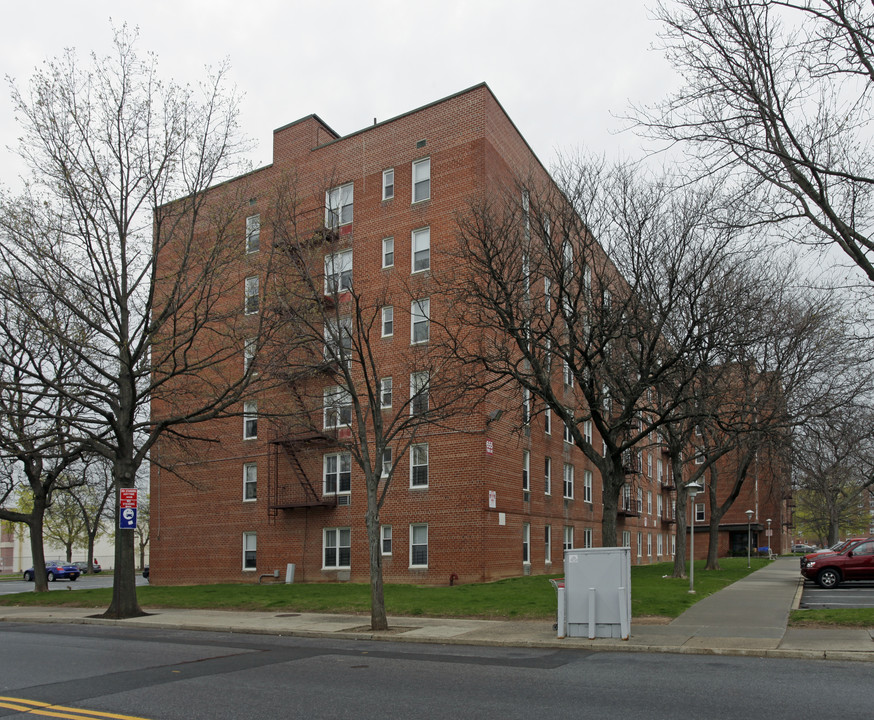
(652, 594)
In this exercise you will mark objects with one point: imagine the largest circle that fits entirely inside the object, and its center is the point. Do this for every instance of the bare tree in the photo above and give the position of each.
(834, 461)
(109, 147)
(779, 91)
(345, 387)
(92, 500)
(591, 294)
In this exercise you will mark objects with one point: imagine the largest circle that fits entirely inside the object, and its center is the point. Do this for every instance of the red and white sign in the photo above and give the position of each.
(128, 498)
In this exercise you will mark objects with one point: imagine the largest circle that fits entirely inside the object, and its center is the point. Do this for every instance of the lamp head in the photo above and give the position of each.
(749, 515)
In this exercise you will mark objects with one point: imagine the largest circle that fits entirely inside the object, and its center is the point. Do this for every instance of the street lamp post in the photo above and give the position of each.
(692, 490)
(770, 551)
(749, 535)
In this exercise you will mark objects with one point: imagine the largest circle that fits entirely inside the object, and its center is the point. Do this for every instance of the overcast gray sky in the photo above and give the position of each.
(559, 67)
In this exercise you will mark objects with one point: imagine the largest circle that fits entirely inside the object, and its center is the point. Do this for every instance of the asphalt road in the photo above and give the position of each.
(186, 675)
(104, 579)
(856, 594)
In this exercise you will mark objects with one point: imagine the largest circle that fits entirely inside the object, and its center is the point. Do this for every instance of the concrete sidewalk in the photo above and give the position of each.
(746, 618)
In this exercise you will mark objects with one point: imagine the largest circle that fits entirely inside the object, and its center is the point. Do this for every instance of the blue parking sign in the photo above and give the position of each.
(127, 519)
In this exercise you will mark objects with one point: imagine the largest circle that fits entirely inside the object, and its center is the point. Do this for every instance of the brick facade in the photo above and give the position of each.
(473, 505)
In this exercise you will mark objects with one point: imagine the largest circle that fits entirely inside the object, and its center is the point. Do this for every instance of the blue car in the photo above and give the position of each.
(56, 570)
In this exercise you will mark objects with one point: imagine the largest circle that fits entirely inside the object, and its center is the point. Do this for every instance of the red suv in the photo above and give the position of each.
(855, 562)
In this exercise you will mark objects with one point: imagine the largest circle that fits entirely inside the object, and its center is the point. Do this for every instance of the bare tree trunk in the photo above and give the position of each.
(680, 554)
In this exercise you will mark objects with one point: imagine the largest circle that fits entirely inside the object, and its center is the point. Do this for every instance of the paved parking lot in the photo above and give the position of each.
(100, 580)
(856, 594)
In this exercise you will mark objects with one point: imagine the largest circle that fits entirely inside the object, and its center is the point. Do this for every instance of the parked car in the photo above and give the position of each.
(56, 570)
(83, 567)
(855, 562)
(146, 572)
(803, 548)
(836, 548)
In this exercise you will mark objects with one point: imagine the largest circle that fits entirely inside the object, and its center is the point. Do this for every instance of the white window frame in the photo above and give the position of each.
(250, 420)
(388, 321)
(338, 459)
(587, 431)
(567, 374)
(339, 205)
(526, 543)
(547, 421)
(526, 470)
(587, 486)
(626, 538)
(649, 545)
(700, 513)
(421, 174)
(386, 463)
(338, 272)
(547, 544)
(547, 475)
(649, 502)
(385, 540)
(388, 184)
(566, 436)
(338, 338)
(250, 545)
(660, 548)
(337, 408)
(385, 393)
(420, 250)
(250, 482)
(420, 392)
(418, 452)
(526, 406)
(388, 252)
(251, 297)
(250, 346)
(639, 545)
(568, 481)
(420, 317)
(659, 506)
(253, 233)
(568, 538)
(416, 542)
(587, 538)
(338, 547)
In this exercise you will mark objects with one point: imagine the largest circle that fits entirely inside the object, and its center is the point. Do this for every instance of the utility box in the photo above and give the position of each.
(596, 599)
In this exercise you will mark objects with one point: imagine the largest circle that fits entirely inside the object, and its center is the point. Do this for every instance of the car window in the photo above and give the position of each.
(864, 549)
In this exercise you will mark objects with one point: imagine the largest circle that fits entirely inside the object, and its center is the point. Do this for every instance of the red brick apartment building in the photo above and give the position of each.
(478, 503)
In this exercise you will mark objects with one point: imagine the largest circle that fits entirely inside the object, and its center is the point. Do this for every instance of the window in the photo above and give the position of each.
(626, 538)
(419, 393)
(421, 180)
(338, 206)
(660, 470)
(649, 464)
(418, 546)
(547, 543)
(699, 459)
(587, 486)
(568, 375)
(336, 548)
(250, 481)
(547, 421)
(388, 186)
(526, 406)
(421, 249)
(338, 338)
(338, 272)
(659, 545)
(251, 295)
(526, 467)
(385, 393)
(547, 476)
(337, 407)
(386, 462)
(587, 538)
(337, 474)
(420, 323)
(699, 512)
(250, 546)
(547, 298)
(649, 502)
(385, 539)
(659, 507)
(249, 348)
(568, 481)
(388, 252)
(388, 321)
(419, 465)
(639, 501)
(250, 420)
(568, 438)
(568, 537)
(253, 233)
(649, 544)
(639, 545)
(587, 431)
(526, 543)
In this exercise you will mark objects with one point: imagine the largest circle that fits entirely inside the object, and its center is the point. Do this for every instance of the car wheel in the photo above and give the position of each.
(28, 576)
(51, 577)
(73, 578)
(828, 578)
